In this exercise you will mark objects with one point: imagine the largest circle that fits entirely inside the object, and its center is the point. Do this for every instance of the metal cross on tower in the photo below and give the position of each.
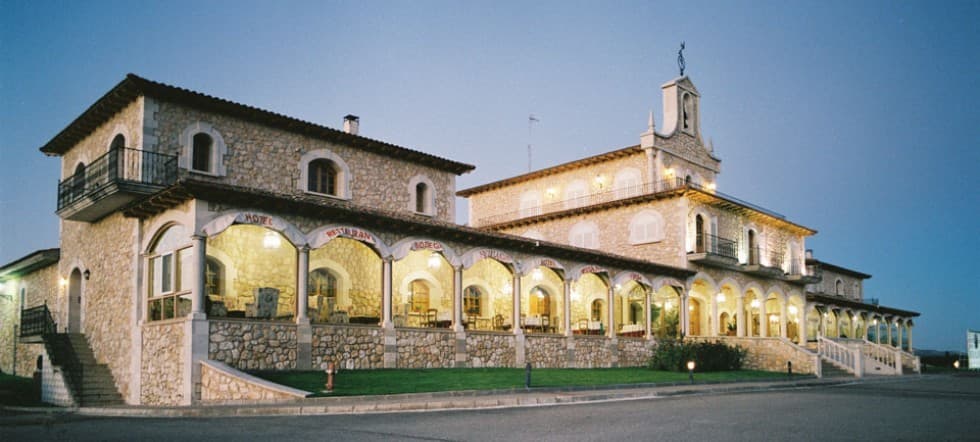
(680, 59)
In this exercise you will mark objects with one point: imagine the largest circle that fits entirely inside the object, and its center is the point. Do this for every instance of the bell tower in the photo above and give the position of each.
(682, 107)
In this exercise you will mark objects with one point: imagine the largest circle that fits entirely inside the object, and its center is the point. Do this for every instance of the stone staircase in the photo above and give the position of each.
(830, 370)
(92, 382)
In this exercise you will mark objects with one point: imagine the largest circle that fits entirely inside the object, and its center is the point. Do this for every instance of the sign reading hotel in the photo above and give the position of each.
(256, 219)
(349, 232)
(427, 245)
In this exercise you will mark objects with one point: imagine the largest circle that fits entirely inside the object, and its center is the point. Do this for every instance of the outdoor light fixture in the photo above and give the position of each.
(754, 303)
(668, 305)
(793, 310)
(434, 261)
(575, 295)
(690, 370)
(537, 274)
(875, 322)
(87, 274)
(690, 308)
(551, 192)
(711, 186)
(855, 317)
(618, 286)
(669, 171)
(956, 365)
(773, 318)
(271, 240)
(720, 297)
(507, 289)
(63, 282)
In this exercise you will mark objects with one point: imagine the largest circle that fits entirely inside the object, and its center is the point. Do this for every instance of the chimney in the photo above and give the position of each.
(809, 253)
(351, 122)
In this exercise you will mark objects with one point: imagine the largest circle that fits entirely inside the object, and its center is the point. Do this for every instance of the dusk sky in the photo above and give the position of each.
(858, 119)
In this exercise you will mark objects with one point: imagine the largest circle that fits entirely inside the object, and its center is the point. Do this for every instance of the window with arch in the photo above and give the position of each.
(118, 142)
(202, 149)
(201, 152)
(627, 183)
(596, 310)
(530, 204)
(78, 181)
(687, 117)
(539, 301)
(214, 281)
(422, 195)
(322, 177)
(421, 198)
(584, 234)
(699, 234)
(839, 288)
(753, 243)
(575, 194)
(170, 268)
(420, 296)
(473, 301)
(646, 227)
(323, 283)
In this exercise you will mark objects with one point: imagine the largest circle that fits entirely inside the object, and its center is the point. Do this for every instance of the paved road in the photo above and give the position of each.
(928, 408)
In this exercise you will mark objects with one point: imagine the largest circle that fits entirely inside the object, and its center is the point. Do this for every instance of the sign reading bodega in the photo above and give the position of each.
(592, 269)
(349, 232)
(427, 245)
(495, 254)
(256, 219)
(635, 276)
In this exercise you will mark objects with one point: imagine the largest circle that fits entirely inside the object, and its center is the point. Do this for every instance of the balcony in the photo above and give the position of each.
(810, 275)
(773, 267)
(112, 181)
(713, 249)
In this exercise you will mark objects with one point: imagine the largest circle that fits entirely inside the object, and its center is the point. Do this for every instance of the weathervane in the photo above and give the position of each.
(680, 59)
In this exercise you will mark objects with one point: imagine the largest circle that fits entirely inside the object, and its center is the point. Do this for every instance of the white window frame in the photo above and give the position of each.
(574, 191)
(176, 290)
(628, 182)
(585, 234)
(646, 227)
(530, 204)
(430, 203)
(343, 178)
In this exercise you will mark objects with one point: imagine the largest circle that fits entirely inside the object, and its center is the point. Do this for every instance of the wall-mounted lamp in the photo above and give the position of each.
(793, 310)
(63, 282)
(87, 274)
(537, 275)
(434, 261)
(755, 303)
(720, 297)
(271, 240)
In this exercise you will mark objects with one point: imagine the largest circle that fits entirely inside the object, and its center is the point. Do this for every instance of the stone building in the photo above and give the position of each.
(198, 233)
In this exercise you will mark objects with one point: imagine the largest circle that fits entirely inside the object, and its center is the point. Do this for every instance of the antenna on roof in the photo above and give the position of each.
(530, 119)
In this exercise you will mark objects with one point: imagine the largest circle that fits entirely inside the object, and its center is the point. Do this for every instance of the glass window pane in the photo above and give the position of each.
(154, 312)
(168, 308)
(185, 279)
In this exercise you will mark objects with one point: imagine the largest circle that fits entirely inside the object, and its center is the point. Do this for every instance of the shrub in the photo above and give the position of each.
(673, 355)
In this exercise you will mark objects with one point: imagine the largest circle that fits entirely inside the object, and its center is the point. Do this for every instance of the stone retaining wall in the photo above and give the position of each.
(252, 345)
(434, 348)
(221, 383)
(162, 370)
(634, 352)
(490, 349)
(592, 352)
(770, 354)
(349, 347)
(546, 351)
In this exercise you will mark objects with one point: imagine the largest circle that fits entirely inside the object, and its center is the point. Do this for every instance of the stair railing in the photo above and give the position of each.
(38, 321)
(882, 355)
(840, 354)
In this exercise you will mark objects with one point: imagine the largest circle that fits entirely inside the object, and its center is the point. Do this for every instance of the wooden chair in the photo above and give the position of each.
(546, 323)
(431, 317)
(498, 322)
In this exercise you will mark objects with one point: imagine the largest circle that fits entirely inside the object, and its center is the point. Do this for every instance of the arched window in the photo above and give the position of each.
(646, 227)
(420, 296)
(687, 179)
(78, 181)
(575, 194)
(530, 204)
(597, 310)
(699, 237)
(170, 271)
(839, 289)
(201, 152)
(473, 301)
(753, 248)
(539, 301)
(118, 142)
(421, 197)
(636, 313)
(688, 112)
(627, 183)
(584, 234)
(322, 177)
(214, 271)
(323, 283)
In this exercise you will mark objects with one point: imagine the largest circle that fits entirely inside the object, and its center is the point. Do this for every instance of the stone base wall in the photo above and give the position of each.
(634, 352)
(770, 354)
(489, 349)
(592, 352)
(221, 383)
(162, 368)
(54, 387)
(349, 347)
(426, 348)
(546, 351)
(253, 345)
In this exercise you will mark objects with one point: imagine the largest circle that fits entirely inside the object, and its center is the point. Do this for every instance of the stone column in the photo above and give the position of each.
(516, 294)
(646, 313)
(783, 323)
(200, 269)
(877, 332)
(889, 334)
(386, 295)
(763, 320)
(302, 290)
(803, 325)
(567, 303)
(898, 332)
(458, 298)
(684, 315)
(713, 325)
(908, 339)
(610, 311)
(740, 319)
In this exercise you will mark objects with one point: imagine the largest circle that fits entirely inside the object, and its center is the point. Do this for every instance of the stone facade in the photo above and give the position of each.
(221, 383)
(39, 287)
(593, 352)
(162, 367)
(634, 352)
(252, 345)
(350, 347)
(426, 348)
(546, 351)
(265, 158)
(490, 349)
(851, 287)
(771, 354)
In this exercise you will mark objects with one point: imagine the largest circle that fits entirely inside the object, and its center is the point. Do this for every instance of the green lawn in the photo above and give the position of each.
(395, 381)
(15, 390)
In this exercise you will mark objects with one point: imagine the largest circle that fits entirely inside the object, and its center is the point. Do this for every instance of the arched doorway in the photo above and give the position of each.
(694, 317)
(75, 302)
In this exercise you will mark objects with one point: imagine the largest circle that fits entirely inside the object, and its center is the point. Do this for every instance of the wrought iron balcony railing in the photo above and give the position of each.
(716, 245)
(756, 253)
(118, 166)
(36, 321)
